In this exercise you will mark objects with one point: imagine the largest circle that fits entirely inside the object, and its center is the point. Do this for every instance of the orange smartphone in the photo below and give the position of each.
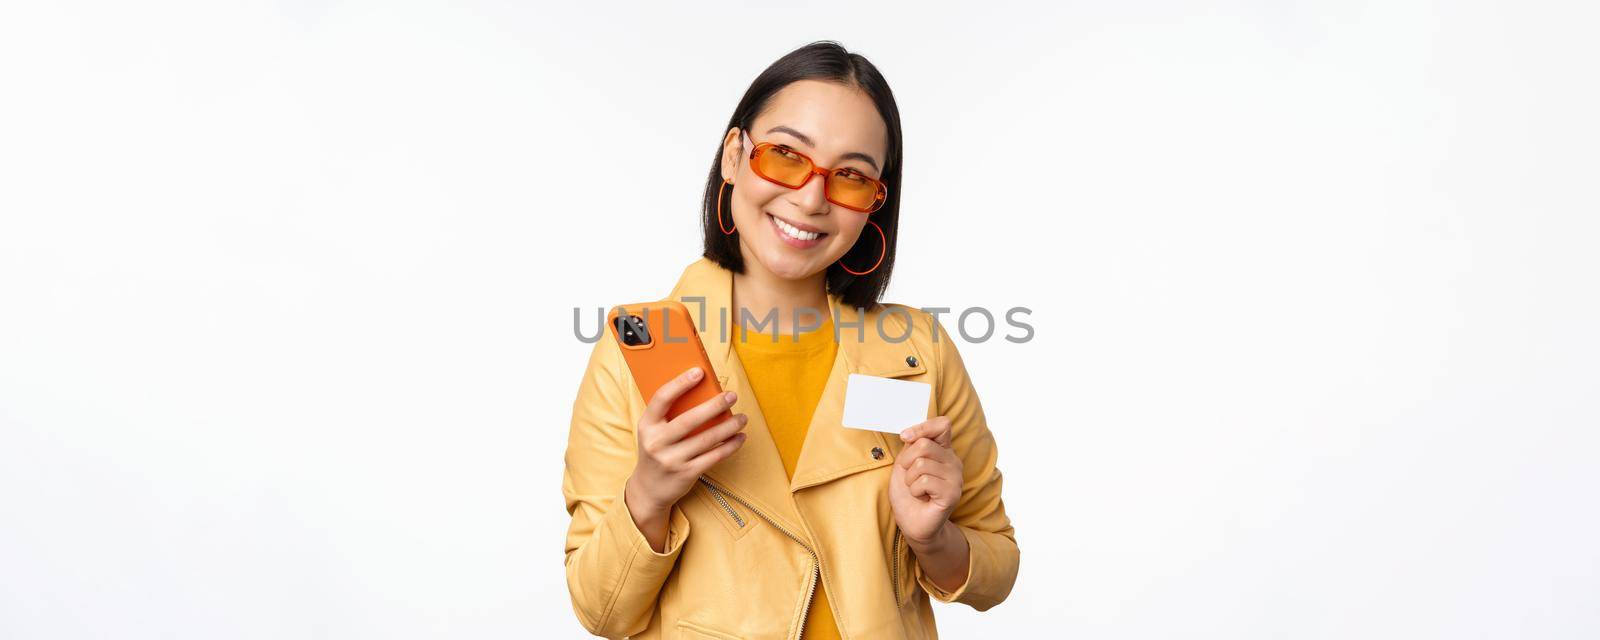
(659, 342)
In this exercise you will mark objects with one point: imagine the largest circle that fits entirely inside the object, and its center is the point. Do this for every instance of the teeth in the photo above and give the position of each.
(794, 232)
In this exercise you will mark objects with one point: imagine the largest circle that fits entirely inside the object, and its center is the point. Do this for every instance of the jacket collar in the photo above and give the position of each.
(707, 290)
(755, 472)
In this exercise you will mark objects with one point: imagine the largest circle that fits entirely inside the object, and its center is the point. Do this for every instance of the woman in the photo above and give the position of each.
(779, 521)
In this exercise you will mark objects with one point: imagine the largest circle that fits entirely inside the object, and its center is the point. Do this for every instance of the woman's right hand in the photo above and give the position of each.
(670, 463)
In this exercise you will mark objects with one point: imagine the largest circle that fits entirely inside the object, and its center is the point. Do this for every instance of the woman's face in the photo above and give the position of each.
(836, 126)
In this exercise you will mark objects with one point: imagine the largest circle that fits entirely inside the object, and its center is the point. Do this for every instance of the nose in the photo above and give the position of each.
(811, 197)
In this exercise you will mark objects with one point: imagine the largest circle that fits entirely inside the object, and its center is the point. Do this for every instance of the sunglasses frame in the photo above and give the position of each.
(816, 170)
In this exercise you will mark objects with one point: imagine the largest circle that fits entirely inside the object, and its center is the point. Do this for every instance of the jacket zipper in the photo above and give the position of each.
(720, 500)
(896, 563)
(816, 563)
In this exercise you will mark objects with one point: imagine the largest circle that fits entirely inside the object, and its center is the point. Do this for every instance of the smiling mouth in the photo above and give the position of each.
(795, 234)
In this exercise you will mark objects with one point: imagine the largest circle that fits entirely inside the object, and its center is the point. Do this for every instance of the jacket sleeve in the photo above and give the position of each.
(613, 574)
(981, 515)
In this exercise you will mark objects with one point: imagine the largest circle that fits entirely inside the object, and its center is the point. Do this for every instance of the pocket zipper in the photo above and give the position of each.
(816, 562)
(717, 495)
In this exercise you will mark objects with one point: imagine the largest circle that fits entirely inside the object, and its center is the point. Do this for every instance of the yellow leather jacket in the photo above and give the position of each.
(746, 547)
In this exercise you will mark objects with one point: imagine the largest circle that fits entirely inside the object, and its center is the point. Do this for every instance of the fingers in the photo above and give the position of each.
(701, 442)
(933, 480)
(717, 454)
(656, 409)
(925, 448)
(933, 488)
(698, 415)
(930, 471)
(936, 429)
(939, 469)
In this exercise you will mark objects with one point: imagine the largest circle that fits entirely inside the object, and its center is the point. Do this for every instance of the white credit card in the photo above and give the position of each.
(885, 404)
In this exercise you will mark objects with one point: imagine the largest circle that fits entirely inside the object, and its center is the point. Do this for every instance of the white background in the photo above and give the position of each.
(286, 299)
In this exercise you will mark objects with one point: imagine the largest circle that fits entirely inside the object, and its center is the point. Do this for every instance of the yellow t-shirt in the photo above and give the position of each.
(788, 377)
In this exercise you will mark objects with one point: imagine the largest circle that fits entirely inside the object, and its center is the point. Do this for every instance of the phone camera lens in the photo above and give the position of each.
(633, 330)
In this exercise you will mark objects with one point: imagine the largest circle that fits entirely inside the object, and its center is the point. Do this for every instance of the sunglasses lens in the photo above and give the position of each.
(852, 189)
(783, 166)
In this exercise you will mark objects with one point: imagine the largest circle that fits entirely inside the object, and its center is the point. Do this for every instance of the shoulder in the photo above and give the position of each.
(920, 333)
(917, 330)
(607, 368)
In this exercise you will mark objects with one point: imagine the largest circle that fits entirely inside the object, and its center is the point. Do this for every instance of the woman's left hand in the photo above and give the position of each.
(925, 485)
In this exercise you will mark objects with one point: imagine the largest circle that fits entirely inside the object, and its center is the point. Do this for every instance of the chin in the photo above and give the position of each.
(780, 262)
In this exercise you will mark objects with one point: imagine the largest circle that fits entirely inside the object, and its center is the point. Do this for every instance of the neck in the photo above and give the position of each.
(759, 294)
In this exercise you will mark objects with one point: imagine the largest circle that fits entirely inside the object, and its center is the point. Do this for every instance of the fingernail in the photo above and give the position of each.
(694, 373)
(905, 434)
(729, 396)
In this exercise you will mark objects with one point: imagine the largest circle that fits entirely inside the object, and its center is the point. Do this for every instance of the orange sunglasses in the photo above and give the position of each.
(848, 188)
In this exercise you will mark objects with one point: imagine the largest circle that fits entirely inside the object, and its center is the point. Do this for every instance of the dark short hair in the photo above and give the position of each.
(826, 61)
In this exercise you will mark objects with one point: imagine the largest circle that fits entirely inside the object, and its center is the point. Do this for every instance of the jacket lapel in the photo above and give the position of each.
(832, 451)
(755, 472)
